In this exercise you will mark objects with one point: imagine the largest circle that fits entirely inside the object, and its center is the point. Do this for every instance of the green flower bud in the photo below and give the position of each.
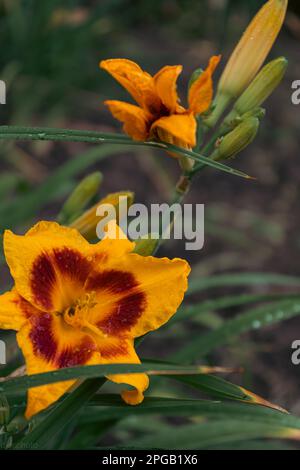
(248, 56)
(17, 424)
(146, 246)
(86, 224)
(233, 119)
(80, 197)
(237, 140)
(260, 89)
(259, 113)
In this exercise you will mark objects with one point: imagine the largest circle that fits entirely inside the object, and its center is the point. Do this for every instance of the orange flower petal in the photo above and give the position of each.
(128, 295)
(49, 264)
(135, 119)
(48, 343)
(87, 223)
(121, 351)
(14, 311)
(178, 129)
(116, 297)
(201, 91)
(138, 83)
(165, 82)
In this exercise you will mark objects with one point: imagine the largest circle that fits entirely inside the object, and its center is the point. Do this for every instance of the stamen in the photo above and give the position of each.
(77, 314)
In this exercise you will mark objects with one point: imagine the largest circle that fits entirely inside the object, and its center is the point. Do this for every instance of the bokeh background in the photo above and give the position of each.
(49, 58)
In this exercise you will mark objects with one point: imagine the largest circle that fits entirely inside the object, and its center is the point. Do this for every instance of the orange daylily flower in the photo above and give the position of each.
(159, 114)
(77, 303)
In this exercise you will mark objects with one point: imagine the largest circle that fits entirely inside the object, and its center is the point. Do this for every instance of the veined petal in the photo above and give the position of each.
(48, 344)
(134, 118)
(49, 264)
(137, 294)
(166, 85)
(138, 83)
(178, 129)
(14, 311)
(121, 351)
(201, 91)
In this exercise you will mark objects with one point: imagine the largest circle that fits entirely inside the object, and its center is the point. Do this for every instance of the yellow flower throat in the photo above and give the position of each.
(77, 314)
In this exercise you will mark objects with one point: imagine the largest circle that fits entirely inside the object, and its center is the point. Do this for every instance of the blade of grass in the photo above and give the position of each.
(251, 320)
(204, 435)
(59, 416)
(191, 311)
(80, 372)
(93, 137)
(89, 435)
(240, 279)
(219, 388)
(104, 407)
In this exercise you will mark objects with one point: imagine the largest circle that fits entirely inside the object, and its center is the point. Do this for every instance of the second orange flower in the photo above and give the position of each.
(159, 114)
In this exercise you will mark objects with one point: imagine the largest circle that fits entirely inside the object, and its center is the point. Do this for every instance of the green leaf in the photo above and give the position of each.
(205, 435)
(226, 422)
(216, 387)
(93, 137)
(61, 415)
(222, 389)
(90, 435)
(252, 320)
(191, 311)
(81, 372)
(219, 388)
(240, 279)
(112, 406)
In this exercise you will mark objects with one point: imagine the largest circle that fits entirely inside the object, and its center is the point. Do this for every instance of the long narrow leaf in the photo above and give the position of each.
(93, 137)
(60, 416)
(103, 407)
(217, 387)
(252, 320)
(81, 372)
(241, 279)
(204, 435)
(195, 310)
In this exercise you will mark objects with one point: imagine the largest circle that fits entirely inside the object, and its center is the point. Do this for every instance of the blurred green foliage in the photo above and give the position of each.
(52, 47)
